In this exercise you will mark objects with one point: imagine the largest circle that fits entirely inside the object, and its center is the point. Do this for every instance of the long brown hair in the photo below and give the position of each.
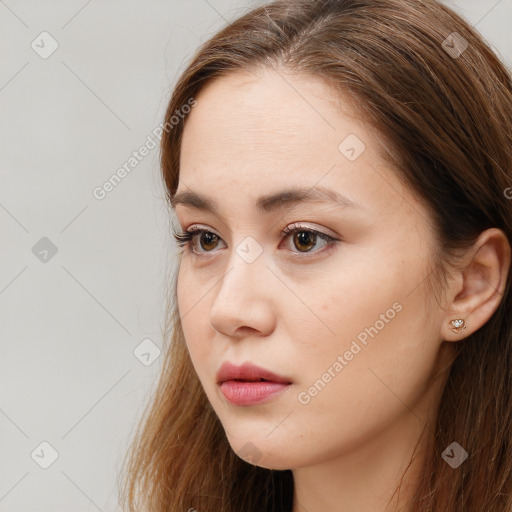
(442, 100)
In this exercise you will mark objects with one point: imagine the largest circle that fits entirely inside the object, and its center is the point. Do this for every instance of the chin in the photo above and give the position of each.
(263, 453)
(275, 461)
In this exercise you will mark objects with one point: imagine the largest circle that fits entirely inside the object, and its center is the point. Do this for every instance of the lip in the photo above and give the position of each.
(241, 385)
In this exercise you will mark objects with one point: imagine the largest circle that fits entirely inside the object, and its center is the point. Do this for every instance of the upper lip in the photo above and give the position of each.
(247, 371)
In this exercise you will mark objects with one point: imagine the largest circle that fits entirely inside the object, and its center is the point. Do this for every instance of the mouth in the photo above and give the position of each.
(248, 372)
(251, 392)
(249, 384)
(251, 380)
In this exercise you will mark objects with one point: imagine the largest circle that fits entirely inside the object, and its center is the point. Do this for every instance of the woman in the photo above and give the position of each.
(340, 334)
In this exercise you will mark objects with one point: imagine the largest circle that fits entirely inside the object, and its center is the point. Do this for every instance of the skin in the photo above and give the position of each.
(294, 312)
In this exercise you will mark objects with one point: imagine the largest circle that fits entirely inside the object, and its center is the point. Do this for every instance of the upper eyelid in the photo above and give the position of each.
(295, 226)
(290, 228)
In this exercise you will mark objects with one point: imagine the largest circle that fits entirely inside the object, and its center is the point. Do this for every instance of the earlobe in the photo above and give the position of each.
(483, 278)
(458, 325)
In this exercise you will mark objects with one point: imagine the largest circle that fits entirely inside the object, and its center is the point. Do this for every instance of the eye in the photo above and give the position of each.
(303, 238)
(207, 242)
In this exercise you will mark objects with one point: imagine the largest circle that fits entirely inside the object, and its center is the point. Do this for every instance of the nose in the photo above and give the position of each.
(244, 301)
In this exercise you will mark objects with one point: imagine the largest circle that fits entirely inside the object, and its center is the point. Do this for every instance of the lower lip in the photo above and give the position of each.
(250, 393)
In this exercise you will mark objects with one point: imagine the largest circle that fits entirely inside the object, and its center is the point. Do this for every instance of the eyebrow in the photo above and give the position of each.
(272, 202)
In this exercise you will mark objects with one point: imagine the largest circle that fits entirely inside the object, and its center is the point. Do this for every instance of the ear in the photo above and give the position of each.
(479, 285)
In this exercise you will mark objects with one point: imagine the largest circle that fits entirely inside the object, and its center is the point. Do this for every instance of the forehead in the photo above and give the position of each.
(251, 134)
(269, 110)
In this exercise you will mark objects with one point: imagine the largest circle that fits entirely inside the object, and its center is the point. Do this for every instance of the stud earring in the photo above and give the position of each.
(458, 325)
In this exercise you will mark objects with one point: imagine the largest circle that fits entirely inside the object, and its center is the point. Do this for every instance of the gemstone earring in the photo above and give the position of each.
(458, 325)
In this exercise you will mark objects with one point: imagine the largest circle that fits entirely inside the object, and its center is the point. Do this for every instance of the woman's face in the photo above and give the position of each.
(338, 307)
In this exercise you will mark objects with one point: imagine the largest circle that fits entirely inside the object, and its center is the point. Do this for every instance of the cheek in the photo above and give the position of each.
(343, 306)
(371, 341)
(193, 310)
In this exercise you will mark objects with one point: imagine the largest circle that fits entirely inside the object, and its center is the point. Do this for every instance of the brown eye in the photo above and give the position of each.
(304, 240)
(208, 240)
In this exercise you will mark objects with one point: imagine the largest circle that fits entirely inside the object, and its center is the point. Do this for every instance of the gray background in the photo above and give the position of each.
(71, 321)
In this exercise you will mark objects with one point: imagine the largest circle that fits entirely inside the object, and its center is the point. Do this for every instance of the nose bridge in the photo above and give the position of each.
(245, 270)
(243, 298)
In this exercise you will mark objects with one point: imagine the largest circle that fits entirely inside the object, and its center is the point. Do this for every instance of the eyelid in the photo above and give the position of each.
(287, 229)
(307, 227)
(202, 227)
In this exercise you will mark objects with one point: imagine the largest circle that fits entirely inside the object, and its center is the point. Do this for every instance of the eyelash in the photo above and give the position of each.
(185, 237)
